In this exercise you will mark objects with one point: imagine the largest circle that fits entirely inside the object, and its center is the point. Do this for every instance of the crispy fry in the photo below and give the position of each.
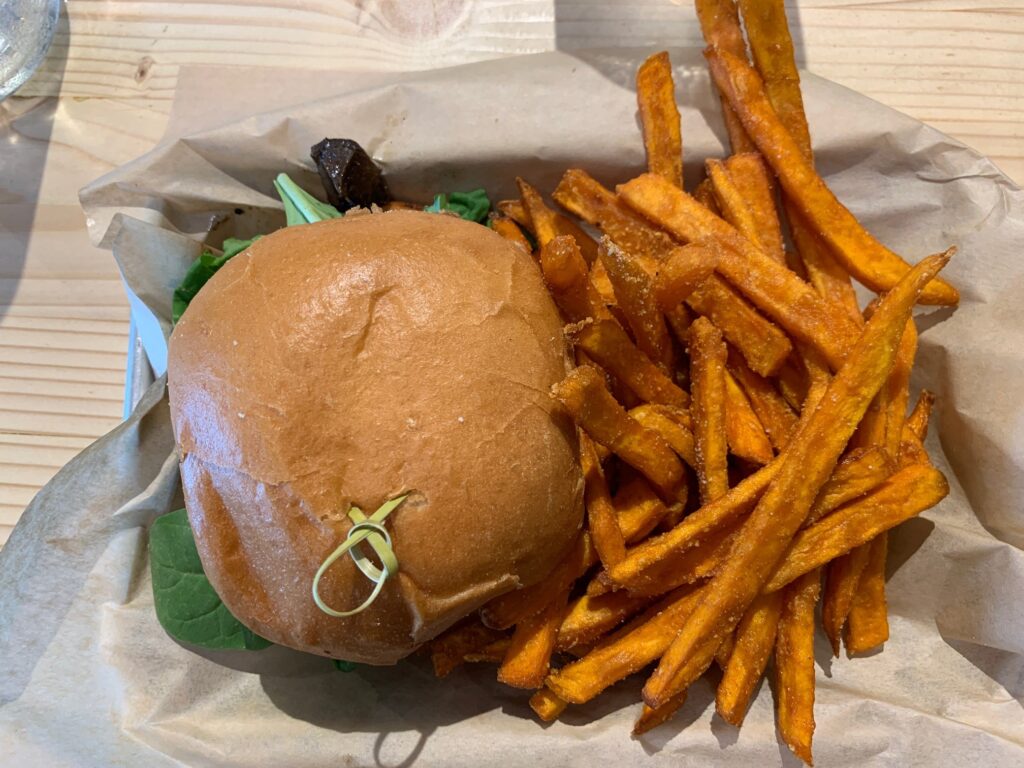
(743, 430)
(605, 342)
(514, 210)
(772, 49)
(492, 653)
(509, 230)
(707, 409)
(602, 520)
(626, 651)
(634, 291)
(763, 345)
(859, 252)
(449, 650)
(590, 617)
(602, 283)
(725, 650)
(673, 424)
(734, 207)
(639, 508)
(842, 576)
(581, 194)
(794, 384)
(806, 465)
(584, 395)
(698, 562)
(771, 408)
(513, 607)
(750, 177)
(883, 425)
(720, 25)
(858, 472)
(659, 118)
(652, 718)
(682, 272)
(783, 296)
(528, 657)
(867, 624)
(907, 493)
(546, 704)
(794, 664)
(912, 450)
(547, 224)
(755, 638)
(679, 320)
(642, 563)
(921, 415)
(704, 194)
(565, 273)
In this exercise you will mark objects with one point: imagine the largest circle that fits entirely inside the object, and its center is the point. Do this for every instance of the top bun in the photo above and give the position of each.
(345, 363)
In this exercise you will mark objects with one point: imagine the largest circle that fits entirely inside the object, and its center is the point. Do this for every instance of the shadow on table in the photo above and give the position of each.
(26, 125)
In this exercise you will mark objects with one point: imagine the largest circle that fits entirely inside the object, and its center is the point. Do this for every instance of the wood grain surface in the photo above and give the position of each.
(103, 95)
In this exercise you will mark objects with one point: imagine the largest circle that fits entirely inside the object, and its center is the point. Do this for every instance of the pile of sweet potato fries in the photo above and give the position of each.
(743, 423)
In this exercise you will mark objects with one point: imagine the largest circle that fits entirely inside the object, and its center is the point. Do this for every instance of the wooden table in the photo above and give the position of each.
(104, 94)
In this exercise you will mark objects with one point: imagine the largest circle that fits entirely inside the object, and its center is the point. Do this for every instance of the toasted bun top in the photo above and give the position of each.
(345, 363)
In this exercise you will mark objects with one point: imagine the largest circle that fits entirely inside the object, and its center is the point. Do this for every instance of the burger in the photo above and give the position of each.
(393, 361)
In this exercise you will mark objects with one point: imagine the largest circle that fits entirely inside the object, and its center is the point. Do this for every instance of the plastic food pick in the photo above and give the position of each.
(371, 530)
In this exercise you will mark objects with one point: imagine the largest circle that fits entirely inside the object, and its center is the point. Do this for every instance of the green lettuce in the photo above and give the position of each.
(472, 206)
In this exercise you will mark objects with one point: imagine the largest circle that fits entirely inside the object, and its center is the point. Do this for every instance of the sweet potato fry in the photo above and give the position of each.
(652, 718)
(921, 415)
(492, 653)
(860, 253)
(673, 424)
(566, 275)
(704, 194)
(867, 624)
(841, 580)
(783, 296)
(707, 409)
(750, 177)
(725, 651)
(639, 508)
(806, 464)
(743, 430)
(679, 320)
(581, 194)
(682, 272)
(546, 704)
(771, 408)
(514, 210)
(626, 651)
(763, 345)
(449, 650)
(513, 607)
(858, 472)
(794, 665)
(734, 207)
(584, 395)
(659, 118)
(510, 231)
(755, 639)
(694, 564)
(606, 343)
(602, 520)
(909, 492)
(793, 383)
(720, 25)
(528, 657)
(546, 224)
(590, 617)
(643, 561)
(602, 283)
(634, 291)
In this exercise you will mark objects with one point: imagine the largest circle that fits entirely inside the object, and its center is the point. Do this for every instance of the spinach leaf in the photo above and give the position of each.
(300, 207)
(187, 606)
(201, 271)
(472, 206)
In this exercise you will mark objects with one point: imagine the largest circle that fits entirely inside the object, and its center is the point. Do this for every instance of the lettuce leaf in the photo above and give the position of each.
(472, 206)
(202, 270)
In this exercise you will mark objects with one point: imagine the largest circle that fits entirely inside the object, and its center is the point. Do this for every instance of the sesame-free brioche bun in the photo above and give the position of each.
(345, 363)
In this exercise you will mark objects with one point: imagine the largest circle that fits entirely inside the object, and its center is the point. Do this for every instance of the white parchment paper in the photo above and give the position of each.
(87, 676)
